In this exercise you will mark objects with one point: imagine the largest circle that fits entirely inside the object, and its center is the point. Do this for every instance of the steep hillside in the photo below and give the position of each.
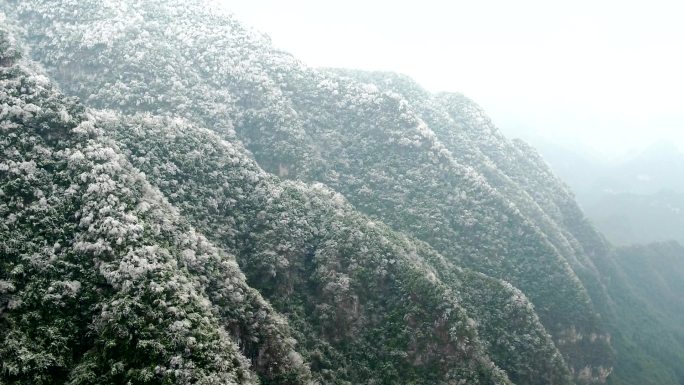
(511, 167)
(104, 281)
(298, 247)
(214, 211)
(101, 281)
(374, 146)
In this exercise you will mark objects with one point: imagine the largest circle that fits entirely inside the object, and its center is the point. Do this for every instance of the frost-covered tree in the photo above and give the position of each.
(371, 142)
(101, 281)
(412, 243)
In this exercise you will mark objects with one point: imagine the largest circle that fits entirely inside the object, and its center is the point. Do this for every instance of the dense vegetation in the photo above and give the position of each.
(102, 281)
(213, 211)
(124, 290)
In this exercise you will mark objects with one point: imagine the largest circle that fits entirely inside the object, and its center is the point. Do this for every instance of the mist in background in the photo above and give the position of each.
(595, 86)
(603, 77)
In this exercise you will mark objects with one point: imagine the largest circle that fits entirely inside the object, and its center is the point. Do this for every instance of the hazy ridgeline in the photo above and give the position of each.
(183, 203)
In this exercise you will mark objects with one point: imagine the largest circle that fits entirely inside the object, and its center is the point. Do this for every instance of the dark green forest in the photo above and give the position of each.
(182, 203)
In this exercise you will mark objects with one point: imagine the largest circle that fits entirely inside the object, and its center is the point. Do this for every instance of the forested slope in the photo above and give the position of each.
(101, 280)
(368, 144)
(104, 281)
(331, 226)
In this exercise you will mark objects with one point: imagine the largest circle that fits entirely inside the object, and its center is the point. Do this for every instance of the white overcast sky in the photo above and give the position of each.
(608, 75)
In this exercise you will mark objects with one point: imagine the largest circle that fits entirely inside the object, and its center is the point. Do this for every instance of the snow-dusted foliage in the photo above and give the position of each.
(103, 281)
(303, 248)
(214, 211)
(432, 167)
(100, 280)
(342, 282)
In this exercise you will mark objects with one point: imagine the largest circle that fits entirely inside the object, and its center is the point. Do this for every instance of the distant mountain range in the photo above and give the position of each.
(639, 199)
